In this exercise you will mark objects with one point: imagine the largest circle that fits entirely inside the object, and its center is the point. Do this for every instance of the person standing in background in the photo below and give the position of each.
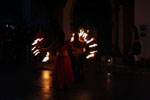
(135, 44)
(63, 76)
(77, 57)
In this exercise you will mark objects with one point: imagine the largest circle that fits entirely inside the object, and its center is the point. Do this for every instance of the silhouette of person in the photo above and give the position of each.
(77, 58)
(135, 44)
(62, 73)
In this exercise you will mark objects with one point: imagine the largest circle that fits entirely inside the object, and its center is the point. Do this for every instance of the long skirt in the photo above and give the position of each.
(63, 74)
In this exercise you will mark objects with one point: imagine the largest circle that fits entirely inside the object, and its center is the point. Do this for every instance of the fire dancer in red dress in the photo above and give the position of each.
(62, 73)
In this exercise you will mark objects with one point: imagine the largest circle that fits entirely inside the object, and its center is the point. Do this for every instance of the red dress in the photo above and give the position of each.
(63, 74)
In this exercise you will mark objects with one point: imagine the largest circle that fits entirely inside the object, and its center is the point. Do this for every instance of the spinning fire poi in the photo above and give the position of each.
(83, 37)
(36, 49)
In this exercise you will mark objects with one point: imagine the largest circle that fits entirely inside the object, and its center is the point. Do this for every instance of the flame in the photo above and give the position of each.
(83, 35)
(72, 38)
(84, 49)
(37, 40)
(81, 32)
(83, 38)
(33, 48)
(90, 55)
(87, 31)
(46, 58)
(92, 52)
(89, 40)
(93, 45)
(36, 53)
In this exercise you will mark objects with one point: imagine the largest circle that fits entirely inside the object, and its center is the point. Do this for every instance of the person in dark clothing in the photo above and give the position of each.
(132, 55)
(77, 58)
(135, 44)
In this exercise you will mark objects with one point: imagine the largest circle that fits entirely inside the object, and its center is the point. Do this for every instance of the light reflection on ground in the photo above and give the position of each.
(35, 84)
(46, 82)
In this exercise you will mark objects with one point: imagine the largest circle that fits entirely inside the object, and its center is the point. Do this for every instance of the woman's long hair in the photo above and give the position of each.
(60, 37)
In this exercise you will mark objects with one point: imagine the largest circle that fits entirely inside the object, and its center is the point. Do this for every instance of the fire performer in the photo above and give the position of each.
(41, 43)
(77, 57)
(62, 73)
